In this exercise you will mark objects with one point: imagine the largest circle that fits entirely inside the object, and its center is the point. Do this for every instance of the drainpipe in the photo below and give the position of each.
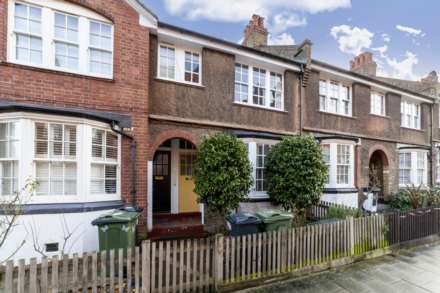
(301, 80)
(432, 144)
(133, 161)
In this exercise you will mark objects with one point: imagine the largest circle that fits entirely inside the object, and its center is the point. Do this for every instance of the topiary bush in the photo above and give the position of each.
(222, 173)
(296, 173)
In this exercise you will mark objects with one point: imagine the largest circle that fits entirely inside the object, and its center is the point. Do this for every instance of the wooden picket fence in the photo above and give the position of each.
(210, 264)
(320, 211)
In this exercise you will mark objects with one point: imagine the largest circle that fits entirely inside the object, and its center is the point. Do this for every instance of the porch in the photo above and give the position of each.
(173, 207)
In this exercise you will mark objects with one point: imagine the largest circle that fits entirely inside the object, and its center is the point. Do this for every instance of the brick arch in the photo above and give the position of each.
(383, 152)
(169, 134)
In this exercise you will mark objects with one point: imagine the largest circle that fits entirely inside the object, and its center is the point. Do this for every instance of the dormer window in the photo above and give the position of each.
(62, 44)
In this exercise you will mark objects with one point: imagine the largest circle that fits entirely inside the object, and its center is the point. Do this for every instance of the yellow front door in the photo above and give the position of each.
(187, 196)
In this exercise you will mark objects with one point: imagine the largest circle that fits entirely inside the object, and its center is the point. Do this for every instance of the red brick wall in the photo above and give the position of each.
(127, 93)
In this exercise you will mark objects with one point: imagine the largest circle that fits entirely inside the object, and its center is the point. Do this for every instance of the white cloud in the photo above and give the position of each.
(386, 38)
(236, 11)
(404, 68)
(410, 30)
(352, 40)
(381, 50)
(283, 21)
(282, 39)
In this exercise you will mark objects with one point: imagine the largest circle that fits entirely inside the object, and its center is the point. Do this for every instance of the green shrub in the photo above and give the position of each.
(400, 201)
(222, 173)
(296, 173)
(336, 212)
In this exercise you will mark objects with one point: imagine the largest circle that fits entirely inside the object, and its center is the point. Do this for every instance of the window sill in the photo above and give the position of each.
(55, 71)
(194, 85)
(380, 116)
(413, 129)
(337, 115)
(260, 107)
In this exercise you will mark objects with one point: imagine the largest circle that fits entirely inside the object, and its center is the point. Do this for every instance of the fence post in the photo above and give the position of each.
(218, 260)
(351, 235)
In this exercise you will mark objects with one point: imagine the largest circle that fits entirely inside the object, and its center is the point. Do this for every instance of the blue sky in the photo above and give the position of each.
(401, 34)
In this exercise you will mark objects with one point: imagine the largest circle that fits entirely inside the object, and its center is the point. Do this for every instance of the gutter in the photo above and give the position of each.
(133, 149)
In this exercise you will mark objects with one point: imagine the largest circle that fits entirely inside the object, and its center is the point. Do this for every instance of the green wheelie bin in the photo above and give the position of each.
(274, 220)
(117, 229)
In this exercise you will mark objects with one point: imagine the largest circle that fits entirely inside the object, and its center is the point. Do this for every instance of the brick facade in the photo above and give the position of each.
(126, 93)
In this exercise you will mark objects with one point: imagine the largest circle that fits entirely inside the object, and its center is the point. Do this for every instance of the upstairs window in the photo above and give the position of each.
(377, 104)
(410, 115)
(241, 83)
(59, 46)
(66, 41)
(335, 98)
(259, 87)
(179, 64)
(27, 28)
(192, 67)
(276, 90)
(101, 51)
(167, 61)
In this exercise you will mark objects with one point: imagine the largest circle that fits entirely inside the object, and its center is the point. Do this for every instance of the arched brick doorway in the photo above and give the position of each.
(379, 174)
(173, 208)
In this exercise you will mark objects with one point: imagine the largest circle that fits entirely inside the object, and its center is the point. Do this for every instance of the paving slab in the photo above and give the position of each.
(415, 271)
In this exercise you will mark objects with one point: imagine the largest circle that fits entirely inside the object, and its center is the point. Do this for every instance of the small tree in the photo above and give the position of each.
(222, 173)
(296, 173)
(11, 208)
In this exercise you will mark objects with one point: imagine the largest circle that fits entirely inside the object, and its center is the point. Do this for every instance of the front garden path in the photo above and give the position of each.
(410, 271)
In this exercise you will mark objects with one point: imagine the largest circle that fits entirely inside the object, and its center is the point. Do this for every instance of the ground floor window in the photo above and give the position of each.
(413, 167)
(258, 150)
(339, 156)
(65, 156)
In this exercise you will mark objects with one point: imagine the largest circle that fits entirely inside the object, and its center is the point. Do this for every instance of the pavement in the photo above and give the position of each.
(412, 271)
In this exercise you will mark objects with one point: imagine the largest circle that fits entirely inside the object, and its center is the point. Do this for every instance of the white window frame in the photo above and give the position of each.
(179, 63)
(26, 159)
(415, 164)
(267, 88)
(49, 8)
(11, 159)
(50, 160)
(332, 172)
(408, 117)
(378, 104)
(104, 161)
(325, 98)
(241, 83)
(252, 152)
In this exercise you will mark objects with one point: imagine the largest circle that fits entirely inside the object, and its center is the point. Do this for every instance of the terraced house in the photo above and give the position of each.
(104, 106)
(73, 116)
(369, 128)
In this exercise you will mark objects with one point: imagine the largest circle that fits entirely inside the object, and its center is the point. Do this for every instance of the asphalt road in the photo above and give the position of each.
(411, 271)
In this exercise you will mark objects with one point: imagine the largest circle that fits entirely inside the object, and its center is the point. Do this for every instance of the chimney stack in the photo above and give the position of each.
(364, 64)
(255, 33)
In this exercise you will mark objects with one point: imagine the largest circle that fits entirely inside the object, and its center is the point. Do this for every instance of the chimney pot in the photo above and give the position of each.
(364, 64)
(255, 33)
